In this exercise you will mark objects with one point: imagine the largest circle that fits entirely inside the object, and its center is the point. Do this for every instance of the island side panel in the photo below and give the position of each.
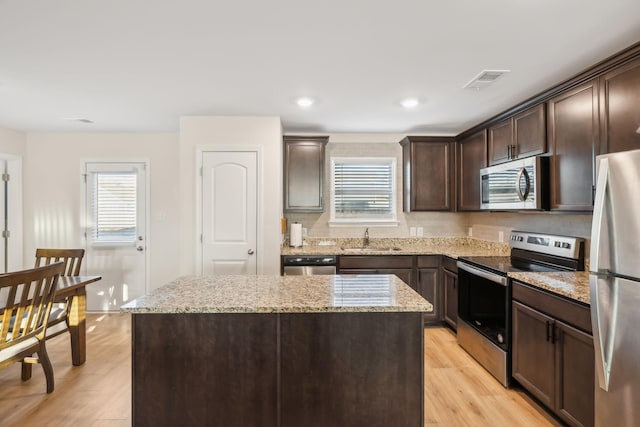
(204, 369)
(352, 369)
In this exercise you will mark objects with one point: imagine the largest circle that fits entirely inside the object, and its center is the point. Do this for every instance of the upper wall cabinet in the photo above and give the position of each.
(427, 173)
(304, 173)
(620, 108)
(472, 156)
(522, 135)
(573, 141)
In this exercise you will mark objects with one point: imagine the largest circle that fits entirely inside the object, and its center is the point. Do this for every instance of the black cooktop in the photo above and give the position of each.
(507, 264)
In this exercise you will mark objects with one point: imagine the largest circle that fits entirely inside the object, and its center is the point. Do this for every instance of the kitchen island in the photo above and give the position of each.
(279, 351)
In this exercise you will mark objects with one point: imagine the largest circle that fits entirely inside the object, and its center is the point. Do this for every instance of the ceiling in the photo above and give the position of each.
(138, 65)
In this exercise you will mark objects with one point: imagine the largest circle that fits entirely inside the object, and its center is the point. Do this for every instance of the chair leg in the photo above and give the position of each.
(46, 366)
(26, 371)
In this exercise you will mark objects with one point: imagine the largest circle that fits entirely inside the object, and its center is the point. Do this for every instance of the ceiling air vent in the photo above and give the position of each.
(485, 78)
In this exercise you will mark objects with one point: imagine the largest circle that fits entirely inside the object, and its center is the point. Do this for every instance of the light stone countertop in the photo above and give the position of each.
(570, 284)
(453, 247)
(281, 294)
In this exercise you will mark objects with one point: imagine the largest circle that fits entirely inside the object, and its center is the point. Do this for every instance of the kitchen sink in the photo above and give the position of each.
(370, 249)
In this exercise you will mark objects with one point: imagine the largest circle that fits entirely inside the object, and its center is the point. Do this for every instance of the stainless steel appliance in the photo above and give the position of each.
(308, 265)
(615, 289)
(484, 293)
(517, 185)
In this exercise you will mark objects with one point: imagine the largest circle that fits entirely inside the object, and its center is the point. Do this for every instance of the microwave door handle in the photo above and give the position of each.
(523, 196)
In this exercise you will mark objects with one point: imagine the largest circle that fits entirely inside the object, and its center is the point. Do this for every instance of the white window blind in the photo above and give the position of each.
(114, 207)
(363, 189)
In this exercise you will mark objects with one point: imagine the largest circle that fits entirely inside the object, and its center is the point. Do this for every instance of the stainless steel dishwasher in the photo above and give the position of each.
(308, 265)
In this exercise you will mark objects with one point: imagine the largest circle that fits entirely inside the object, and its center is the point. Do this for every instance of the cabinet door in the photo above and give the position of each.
(619, 111)
(576, 373)
(428, 287)
(472, 156)
(533, 358)
(501, 142)
(573, 137)
(450, 286)
(427, 180)
(304, 174)
(530, 132)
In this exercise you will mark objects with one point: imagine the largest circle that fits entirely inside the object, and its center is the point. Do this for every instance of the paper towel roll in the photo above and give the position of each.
(295, 235)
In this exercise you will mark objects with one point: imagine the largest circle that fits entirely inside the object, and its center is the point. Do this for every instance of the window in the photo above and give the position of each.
(363, 190)
(113, 207)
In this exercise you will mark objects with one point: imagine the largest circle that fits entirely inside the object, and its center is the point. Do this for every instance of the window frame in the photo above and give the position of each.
(382, 220)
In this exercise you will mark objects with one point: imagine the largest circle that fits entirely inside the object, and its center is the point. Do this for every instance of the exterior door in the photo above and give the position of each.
(229, 212)
(115, 233)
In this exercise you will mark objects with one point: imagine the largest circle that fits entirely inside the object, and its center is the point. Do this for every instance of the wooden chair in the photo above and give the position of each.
(72, 259)
(26, 298)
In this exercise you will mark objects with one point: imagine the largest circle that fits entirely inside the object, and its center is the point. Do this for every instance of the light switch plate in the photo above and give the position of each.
(412, 231)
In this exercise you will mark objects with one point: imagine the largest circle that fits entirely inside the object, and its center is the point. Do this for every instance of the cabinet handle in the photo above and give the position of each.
(509, 152)
(553, 333)
(548, 330)
(514, 153)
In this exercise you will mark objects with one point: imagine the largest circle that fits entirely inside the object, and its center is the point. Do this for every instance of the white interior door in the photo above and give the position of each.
(116, 233)
(229, 212)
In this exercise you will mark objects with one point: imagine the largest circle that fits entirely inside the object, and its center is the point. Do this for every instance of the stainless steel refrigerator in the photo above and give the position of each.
(615, 289)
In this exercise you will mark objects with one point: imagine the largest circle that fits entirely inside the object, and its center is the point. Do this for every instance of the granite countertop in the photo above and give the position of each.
(281, 294)
(453, 247)
(571, 284)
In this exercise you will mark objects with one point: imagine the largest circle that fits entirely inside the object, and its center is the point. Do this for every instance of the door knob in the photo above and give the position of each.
(250, 251)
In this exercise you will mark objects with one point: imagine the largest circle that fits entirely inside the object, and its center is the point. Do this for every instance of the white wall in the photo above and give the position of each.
(53, 185)
(265, 132)
(12, 142)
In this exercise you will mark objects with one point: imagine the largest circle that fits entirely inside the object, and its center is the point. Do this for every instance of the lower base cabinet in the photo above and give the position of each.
(429, 285)
(553, 359)
(450, 291)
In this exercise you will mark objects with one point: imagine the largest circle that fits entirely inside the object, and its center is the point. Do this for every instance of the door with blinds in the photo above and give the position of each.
(116, 233)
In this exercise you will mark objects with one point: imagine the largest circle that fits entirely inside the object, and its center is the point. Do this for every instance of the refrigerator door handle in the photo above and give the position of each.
(598, 214)
(603, 367)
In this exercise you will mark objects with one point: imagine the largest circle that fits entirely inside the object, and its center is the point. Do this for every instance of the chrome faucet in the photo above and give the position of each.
(365, 242)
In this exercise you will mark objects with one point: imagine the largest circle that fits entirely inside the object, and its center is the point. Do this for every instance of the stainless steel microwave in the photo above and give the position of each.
(516, 185)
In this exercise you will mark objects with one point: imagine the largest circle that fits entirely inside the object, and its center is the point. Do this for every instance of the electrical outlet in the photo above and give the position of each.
(470, 231)
(420, 231)
(501, 236)
(412, 231)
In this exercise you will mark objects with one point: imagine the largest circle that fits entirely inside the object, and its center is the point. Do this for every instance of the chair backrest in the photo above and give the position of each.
(25, 302)
(72, 259)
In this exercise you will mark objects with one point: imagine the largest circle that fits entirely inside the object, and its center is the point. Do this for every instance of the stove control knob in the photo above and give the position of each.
(566, 245)
(557, 244)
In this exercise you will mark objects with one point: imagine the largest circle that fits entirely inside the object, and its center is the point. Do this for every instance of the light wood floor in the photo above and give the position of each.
(458, 392)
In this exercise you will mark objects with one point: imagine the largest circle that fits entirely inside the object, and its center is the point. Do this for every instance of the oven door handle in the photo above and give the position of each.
(496, 278)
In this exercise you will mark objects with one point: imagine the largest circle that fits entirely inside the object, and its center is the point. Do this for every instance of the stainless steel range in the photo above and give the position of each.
(484, 293)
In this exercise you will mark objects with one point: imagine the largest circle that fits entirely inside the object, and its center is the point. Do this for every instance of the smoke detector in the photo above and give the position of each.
(485, 78)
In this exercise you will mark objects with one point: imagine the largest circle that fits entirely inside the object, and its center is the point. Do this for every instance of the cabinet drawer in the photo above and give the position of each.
(376, 261)
(427, 261)
(570, 312)
(450, 264)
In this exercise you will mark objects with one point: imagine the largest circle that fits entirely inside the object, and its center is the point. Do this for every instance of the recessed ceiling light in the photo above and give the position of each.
(79, 119)
(305, 102)
(410, 103)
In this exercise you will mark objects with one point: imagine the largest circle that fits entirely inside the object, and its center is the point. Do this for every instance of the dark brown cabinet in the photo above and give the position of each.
(427, 174)
(429, 285)
(450, 291)
(620, 108)
(573, 135)
(472, 156)
(500, 142)
(304, 173)
(552, 358)
(520, 136)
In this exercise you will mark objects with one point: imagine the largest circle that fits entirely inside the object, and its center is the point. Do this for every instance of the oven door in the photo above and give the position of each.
(483, 303)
